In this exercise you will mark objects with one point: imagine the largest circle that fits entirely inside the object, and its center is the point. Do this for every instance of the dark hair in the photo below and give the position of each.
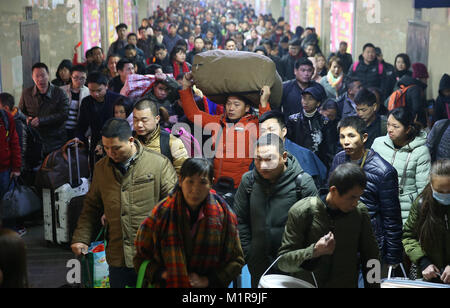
(405, 58)
(303, 61)
(267, 42)
(117, 128)
(78, 68)
(151, 69)
(122, 101)
(13, 260)
(365, 97)
(121, 64)
(97, 77)
(274, 114)
(130, 47)
(295, 42)
(197, 166)
(160, 47)
(337, 60)
(131, 34)
(146, 103)
(230, 40)
(7, 99)
(176, 50)
(330, 103)
(368, 45)
(40, 65)
(355, 122)
(347, 176)
(271, 139)
(64, 64)
(120, 26)
(429, 227)
(406, 118)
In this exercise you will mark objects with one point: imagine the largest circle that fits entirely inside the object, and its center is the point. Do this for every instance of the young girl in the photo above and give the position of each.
(191, 237)
(426, 234)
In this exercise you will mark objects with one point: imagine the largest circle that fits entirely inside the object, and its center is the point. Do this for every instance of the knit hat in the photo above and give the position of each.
(419, 71)
(317, 91)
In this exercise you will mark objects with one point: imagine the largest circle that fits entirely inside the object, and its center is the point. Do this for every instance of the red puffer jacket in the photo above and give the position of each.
(234, 152)
(10, 158)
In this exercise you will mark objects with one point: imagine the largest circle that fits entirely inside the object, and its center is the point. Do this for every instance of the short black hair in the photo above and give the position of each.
(160, 47)
(347, 176)
(131, 34)
(7, 99)
(295, 42)
(197, 166)
(274, 114)
(121, 64)
(78, 68)
(147, 103)
(123, 101)
(271, 139)
(355, 122)
(40, 65)
(121, 26)
(151, 69)
(303, 61)
(368, 45)
(117, 128)
(130, 47)
(97, 77)
(365, 97)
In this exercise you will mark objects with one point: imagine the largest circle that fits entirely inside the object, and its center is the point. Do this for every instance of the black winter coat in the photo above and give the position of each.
(381, 199)
(371, 76)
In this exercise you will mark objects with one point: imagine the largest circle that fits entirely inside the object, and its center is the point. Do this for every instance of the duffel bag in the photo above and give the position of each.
(220, 73)
(54, 170)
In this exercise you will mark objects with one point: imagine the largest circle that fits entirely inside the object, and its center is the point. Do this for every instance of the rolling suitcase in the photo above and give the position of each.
(63, 205)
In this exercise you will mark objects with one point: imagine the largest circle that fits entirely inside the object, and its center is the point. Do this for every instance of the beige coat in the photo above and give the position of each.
(126, 200)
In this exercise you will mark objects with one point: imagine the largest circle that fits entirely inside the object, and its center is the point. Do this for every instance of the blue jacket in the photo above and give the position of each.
(381, 199)
(309, 161)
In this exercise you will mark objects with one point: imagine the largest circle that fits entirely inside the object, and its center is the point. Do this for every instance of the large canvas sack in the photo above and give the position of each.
(219, 73)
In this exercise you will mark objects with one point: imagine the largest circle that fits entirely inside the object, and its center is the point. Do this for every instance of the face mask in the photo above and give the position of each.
(443, 199)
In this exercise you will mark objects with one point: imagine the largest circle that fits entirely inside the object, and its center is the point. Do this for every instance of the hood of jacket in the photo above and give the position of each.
(408, 80)
(288, 176)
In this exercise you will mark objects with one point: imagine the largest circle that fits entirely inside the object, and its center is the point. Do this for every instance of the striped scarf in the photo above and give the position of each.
(336, 83)
(165, 238)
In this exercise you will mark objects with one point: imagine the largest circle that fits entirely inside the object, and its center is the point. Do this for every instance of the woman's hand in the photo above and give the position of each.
(198, 281)
(431, 272)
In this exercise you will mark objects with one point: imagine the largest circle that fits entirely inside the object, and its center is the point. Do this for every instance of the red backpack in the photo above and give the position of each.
(398, 98)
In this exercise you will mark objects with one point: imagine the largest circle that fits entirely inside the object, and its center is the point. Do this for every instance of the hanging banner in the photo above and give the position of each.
(295, 9)
(128, 14)
(113, 17)
(341, 24)
(92, 35)
(314, 15)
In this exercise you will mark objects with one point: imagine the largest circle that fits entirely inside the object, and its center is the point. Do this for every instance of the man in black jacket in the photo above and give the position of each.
(381, 192)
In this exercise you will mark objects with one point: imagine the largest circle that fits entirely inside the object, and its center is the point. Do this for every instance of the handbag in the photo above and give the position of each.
(19, 201)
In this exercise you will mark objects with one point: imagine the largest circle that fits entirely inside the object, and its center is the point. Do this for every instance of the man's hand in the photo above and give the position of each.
(14, 175)
(431, 272)
(79, 248)
(265, 95)
(187, 81)
(325, 246)
(160, 76)
(198, 281)
(445, 277)
(34, 122)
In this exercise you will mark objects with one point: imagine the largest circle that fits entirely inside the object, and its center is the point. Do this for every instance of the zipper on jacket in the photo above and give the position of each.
(446, 221)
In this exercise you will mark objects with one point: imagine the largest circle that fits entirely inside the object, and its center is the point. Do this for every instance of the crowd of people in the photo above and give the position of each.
(353, 165)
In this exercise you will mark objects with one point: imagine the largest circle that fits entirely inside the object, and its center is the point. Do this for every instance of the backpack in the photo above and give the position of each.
(436, 139)
(164, 144)
(190, 143)
(398, 98)
(298, 185)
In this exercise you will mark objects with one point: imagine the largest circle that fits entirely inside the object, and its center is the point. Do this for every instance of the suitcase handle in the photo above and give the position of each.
(391, 268)
(77, 159)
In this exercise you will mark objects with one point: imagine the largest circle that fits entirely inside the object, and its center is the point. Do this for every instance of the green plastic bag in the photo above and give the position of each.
(96, 269)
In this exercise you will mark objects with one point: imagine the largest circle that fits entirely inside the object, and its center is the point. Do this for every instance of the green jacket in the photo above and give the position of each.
(262, 215)
(418, 169)
(308, 221)
(126, 200)
(439, 254)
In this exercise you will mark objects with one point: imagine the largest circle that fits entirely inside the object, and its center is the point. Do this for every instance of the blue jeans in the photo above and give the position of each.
(121, 277)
